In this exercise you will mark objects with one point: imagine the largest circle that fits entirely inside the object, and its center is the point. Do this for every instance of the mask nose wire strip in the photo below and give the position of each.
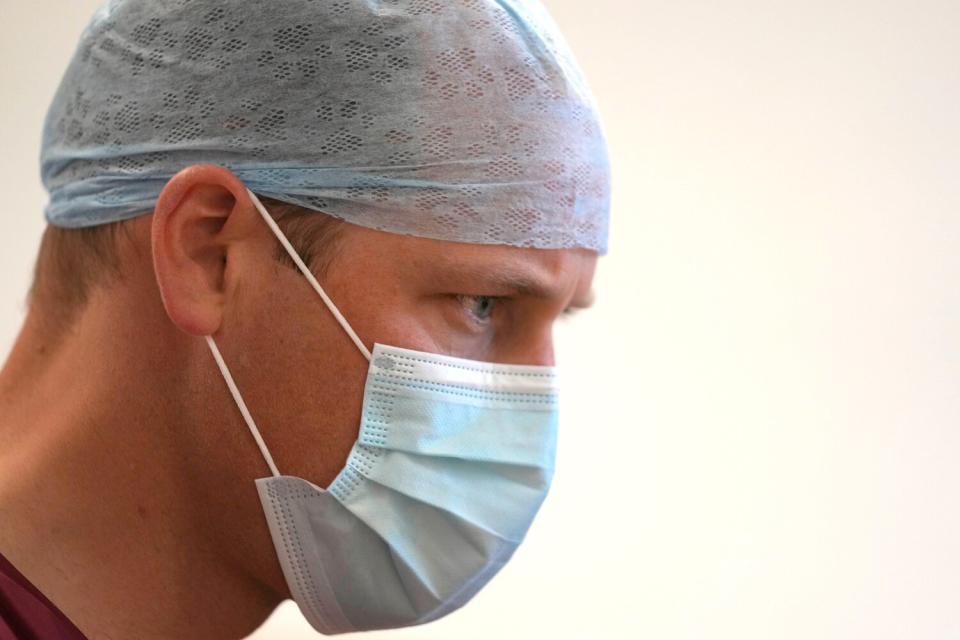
(242, 405)
(313, 281)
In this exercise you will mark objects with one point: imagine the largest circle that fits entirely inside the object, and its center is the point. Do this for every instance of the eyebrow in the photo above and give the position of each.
(516, 281)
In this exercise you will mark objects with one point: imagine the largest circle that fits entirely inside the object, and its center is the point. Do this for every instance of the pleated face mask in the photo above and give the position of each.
(452, 461)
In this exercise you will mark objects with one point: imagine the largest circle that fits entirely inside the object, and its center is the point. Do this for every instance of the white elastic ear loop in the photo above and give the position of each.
(242, 405)
(234, 391)
(313, 281)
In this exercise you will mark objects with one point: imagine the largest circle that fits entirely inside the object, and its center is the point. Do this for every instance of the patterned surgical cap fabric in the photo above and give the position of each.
(462, 120)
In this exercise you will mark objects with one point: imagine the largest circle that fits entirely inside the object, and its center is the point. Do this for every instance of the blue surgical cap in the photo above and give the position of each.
(462, 120)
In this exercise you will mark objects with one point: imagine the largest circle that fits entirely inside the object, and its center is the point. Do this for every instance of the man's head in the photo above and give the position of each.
(439, 165)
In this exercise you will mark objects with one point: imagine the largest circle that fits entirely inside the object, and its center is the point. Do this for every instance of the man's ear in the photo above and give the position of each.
(201, 212)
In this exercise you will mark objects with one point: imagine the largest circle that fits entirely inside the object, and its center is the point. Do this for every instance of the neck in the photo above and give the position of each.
(110, 502)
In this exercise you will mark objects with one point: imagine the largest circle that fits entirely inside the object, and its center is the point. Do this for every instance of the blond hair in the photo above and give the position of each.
(71, 263)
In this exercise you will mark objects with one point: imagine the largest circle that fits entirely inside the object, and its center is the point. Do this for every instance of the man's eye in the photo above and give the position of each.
(479, 307)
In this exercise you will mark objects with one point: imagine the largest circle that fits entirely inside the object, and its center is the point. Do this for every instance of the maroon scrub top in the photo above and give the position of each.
(25, 614)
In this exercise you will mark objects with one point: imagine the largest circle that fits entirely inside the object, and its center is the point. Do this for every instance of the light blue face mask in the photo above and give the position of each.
(452, 462)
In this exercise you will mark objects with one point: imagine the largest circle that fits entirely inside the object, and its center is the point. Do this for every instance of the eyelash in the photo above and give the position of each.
(565, 315)
(496, 301)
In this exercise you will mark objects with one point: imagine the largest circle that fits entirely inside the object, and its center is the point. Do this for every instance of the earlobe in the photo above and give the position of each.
(190, 242)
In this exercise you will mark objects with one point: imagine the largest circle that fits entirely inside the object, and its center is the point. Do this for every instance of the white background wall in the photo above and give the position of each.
(761, 433)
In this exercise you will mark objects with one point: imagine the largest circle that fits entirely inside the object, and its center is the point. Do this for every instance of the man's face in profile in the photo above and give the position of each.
(297, 368)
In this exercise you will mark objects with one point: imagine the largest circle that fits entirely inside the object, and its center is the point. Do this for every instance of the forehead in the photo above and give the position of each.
(490, 269)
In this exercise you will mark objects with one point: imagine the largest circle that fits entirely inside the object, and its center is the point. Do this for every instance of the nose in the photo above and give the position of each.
(534, 348)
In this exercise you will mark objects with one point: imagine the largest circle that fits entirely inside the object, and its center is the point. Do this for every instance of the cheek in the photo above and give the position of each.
(396, 315)
(306, 384)
(434, 325)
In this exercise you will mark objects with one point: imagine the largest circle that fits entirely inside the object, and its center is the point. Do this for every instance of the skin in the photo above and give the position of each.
(127, 473)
